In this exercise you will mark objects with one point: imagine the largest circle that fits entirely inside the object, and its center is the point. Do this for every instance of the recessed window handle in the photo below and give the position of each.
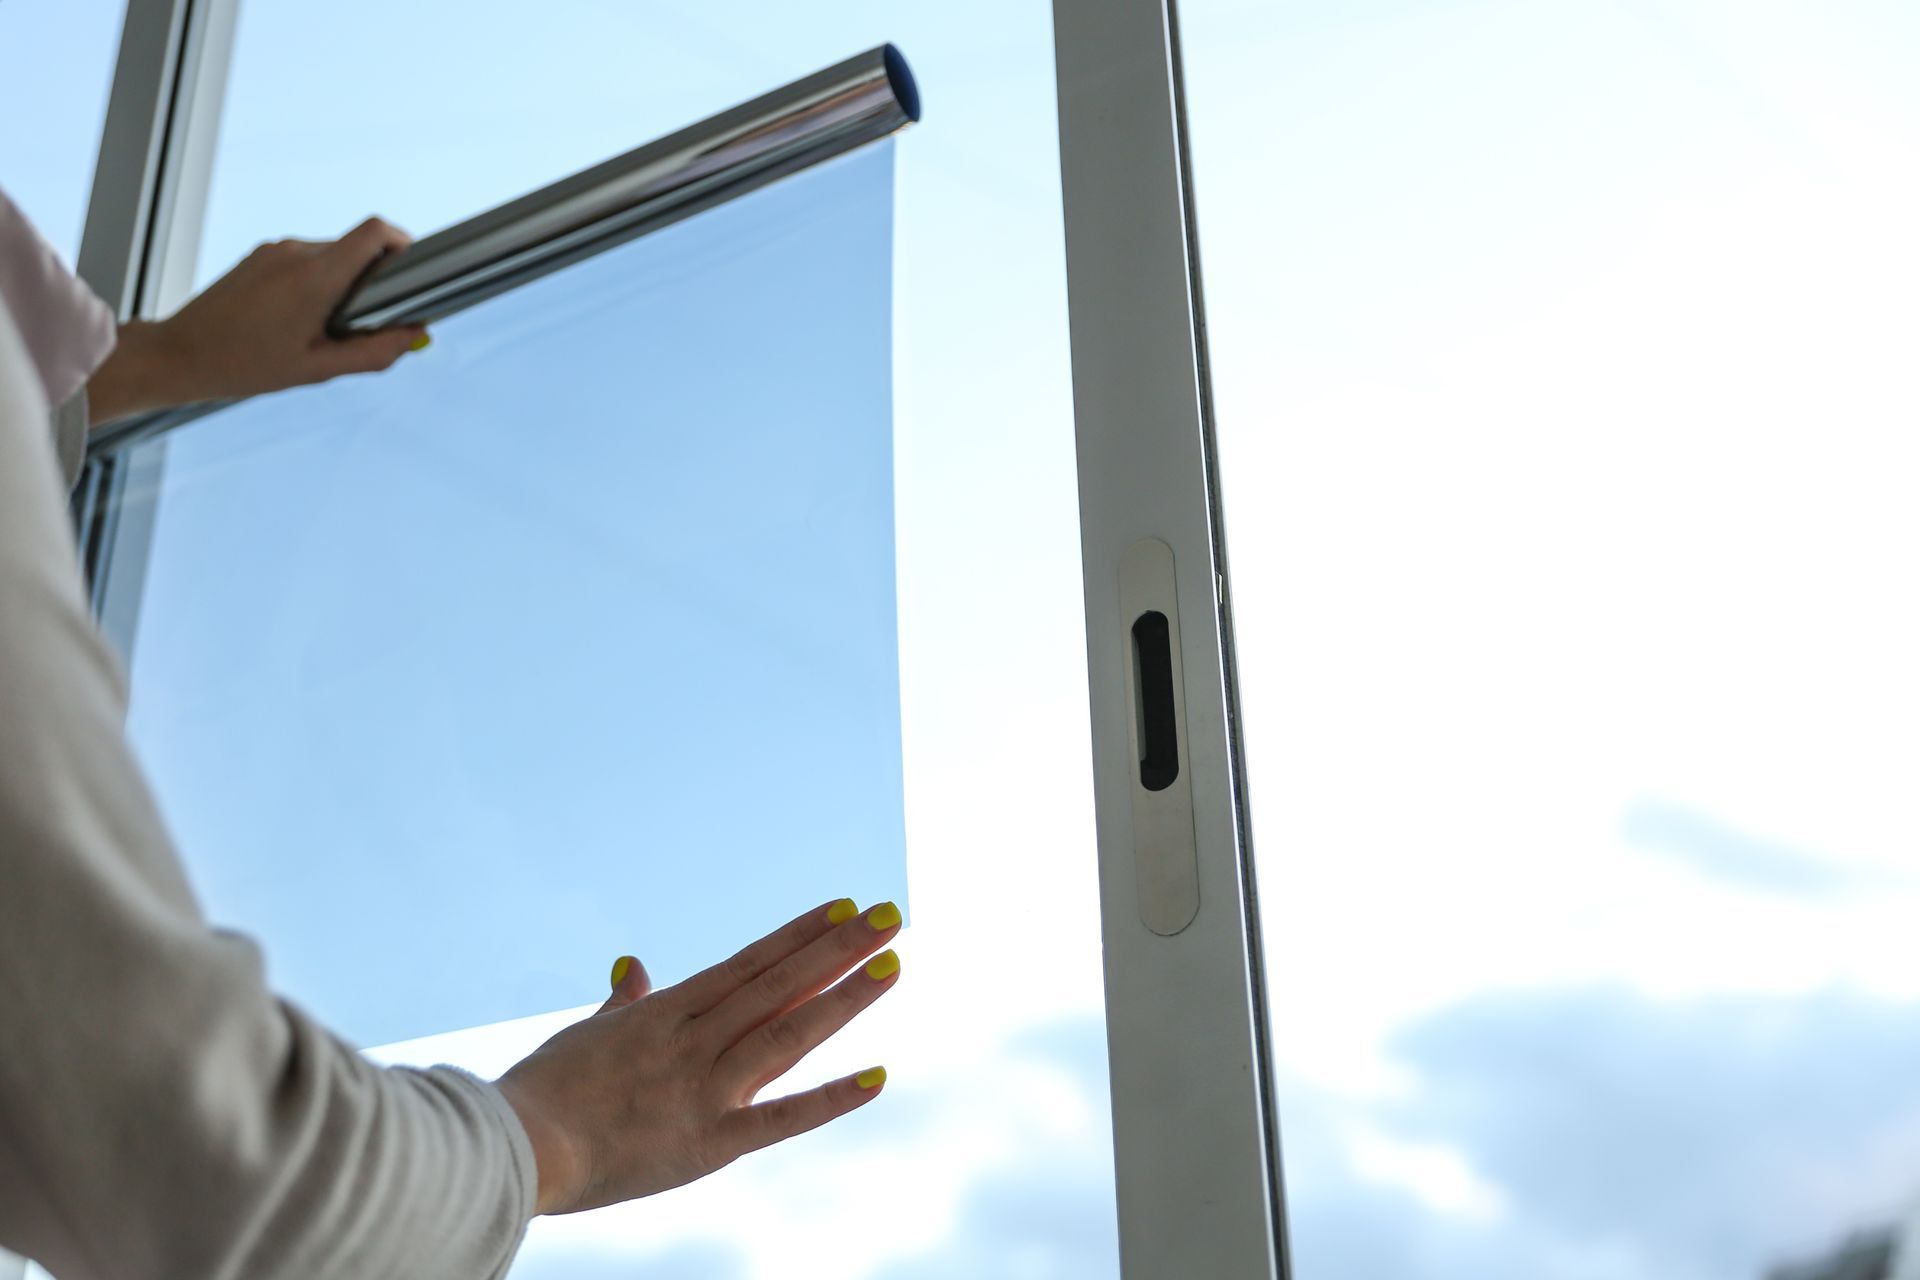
(1166, 866)
(1153, 702)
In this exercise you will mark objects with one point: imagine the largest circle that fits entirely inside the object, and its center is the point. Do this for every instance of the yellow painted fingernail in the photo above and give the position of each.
(883, 917)
(884, 965)
(620, 968)
(422, 342)
(842, 911)
(871, 1078)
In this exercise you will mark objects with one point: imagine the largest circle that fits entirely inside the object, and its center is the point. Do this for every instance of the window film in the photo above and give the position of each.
(570, 635)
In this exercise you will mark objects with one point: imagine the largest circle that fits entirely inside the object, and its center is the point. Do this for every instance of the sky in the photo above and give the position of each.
(1562, 365)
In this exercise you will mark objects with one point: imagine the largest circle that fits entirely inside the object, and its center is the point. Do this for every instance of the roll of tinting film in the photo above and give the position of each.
(861, 100)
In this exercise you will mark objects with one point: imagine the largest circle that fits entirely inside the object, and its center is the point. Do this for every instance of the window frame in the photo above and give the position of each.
(1200, 1186)
(139, 251)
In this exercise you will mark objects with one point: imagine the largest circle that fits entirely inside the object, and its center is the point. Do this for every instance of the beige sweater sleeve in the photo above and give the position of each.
(162, 1115)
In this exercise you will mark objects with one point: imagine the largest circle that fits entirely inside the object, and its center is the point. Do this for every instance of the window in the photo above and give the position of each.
(1002, 1145)
(596, 537)
(1563, 362)
(56, 57)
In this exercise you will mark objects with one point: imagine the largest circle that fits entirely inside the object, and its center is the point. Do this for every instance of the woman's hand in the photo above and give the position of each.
(259, 328)
(656, 1090)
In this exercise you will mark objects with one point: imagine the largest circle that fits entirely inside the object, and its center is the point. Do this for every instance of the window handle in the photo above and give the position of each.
(1166, 870)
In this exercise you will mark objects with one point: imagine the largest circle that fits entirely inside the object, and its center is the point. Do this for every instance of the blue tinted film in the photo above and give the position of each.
(573, 635)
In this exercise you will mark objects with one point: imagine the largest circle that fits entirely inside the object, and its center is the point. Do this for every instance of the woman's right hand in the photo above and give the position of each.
(261, 327)
(657, 1088)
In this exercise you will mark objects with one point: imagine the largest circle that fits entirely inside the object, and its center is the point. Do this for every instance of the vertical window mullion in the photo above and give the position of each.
(138, 252)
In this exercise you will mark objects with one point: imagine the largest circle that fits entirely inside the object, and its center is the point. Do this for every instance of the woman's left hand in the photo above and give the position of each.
(261, 327)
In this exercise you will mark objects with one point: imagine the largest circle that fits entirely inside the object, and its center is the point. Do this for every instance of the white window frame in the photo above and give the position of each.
(1196, 1140)
(140, 248)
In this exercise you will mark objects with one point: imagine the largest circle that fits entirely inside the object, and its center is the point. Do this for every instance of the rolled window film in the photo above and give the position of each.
(807, 122)
(816, 118)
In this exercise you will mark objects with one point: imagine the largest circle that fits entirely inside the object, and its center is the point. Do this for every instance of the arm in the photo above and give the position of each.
(161, 1113)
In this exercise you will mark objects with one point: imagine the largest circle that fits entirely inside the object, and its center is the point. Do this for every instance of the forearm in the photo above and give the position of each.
(149, 369)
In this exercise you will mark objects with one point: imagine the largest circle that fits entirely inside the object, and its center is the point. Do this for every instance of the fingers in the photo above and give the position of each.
(367, 353)
(630, 983)
(800, 976)
(709, 987)
(752, 1128)
(346, 258)
(771, 1049)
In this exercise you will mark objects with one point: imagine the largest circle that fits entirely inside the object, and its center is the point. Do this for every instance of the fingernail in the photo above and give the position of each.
(842, 911)
(620, 968)
(871, 1078)
(884, 965)
(422, 342)
(883, 917)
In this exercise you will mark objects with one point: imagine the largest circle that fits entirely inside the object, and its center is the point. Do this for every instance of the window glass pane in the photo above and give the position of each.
(1563, 361)
(990, 1154)
(56, 65)
(490, 109)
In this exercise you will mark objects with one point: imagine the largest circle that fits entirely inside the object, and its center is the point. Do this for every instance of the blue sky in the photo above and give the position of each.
(1562, 358)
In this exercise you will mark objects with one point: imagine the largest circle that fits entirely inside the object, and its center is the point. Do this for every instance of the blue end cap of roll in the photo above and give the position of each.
(900, 76)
